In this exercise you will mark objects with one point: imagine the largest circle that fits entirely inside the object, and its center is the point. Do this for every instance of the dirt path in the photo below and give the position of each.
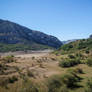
(27, 54)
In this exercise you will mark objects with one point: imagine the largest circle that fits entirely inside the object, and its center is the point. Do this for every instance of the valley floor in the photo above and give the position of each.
(34, 66)
(40, 65)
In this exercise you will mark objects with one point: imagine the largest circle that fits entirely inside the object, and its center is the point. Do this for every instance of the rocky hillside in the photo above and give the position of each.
(12, 33)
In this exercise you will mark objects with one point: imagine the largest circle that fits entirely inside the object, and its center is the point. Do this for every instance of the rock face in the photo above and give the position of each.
(12, 33)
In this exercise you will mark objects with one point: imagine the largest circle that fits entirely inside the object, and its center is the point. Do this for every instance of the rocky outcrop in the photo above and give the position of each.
(12, 33)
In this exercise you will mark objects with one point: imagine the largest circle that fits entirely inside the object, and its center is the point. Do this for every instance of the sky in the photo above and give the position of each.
(65, 19)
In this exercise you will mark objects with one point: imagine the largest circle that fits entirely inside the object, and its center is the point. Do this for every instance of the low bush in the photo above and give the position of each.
(78, 55)
(30, 73)
(80, 70)
(54, 84)
(3, 67)
(33, 58)
(87, 51)
(88, 85)
(67, 47)
(9, 59)
(89, 62)
(71, 56)
(64, 63)
(69, 62)
(76, 71)
(64, 83)
(64, 89)
(71, 80)
(5, 81)
(12, 79)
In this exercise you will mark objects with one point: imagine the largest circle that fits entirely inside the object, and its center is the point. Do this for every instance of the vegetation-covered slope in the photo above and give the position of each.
(76, 57)
(84, 45)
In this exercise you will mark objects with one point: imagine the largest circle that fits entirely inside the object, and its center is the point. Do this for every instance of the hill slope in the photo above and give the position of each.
(12, 33)
(77, 46)
(46, 72)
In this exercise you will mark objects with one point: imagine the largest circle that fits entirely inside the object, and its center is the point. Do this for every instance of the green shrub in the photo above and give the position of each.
(79, 55)
(82, 44)
(69, 62)
(76, 71)
(71, 56)
(87, 51)
(67, 47)
(5, 81)
(30, 73)
(56, 53)
(71, 80)
(79, 70)
(64, 63)
(12, 79)
(74, 62)
(88, 85)
(64, 82)
(33, 58)
(64, 89)
(9, 59)
(54, 84)
(89, 62)
(3, 67)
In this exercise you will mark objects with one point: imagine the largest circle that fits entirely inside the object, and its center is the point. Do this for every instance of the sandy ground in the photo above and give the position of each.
(27, 54)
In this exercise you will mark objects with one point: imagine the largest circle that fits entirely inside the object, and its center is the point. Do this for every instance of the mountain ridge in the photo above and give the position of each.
(13, 33)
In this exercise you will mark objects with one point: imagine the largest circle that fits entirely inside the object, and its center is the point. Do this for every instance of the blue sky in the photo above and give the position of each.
(65, 19)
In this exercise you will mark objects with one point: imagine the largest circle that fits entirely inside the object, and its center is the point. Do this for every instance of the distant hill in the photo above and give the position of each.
(20, 37)
(90, 36)
(68, 41)
(76, 46)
